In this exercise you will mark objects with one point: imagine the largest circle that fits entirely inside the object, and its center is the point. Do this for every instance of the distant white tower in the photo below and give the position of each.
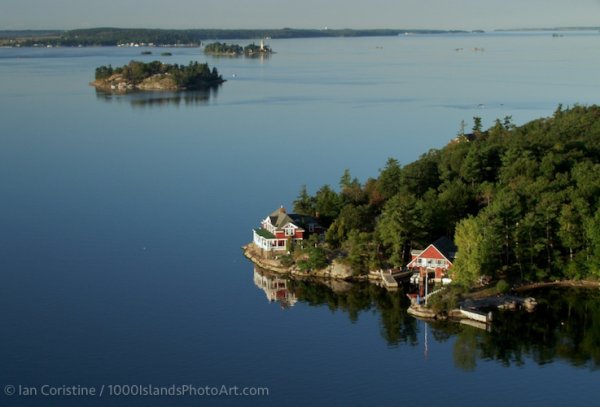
(262, 45)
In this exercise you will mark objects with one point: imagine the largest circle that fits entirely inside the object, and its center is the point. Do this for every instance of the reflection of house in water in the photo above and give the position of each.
(276, 289)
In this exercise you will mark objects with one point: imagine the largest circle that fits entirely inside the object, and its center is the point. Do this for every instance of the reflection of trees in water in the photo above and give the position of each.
(565, 325)
(396, 325)
(465, 349)
(156, 99)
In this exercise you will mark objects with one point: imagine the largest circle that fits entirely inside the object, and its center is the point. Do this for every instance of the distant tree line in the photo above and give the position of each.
(109, 36)
(522, 203)
(30, 33)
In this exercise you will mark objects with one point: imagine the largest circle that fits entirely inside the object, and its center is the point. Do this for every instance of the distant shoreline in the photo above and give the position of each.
(144, 37)
(547, 29)
(185, 38)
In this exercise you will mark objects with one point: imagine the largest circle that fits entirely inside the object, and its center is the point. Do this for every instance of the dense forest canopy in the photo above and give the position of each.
(520, 202)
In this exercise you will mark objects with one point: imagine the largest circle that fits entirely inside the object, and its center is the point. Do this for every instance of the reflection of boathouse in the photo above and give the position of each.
(276, 289)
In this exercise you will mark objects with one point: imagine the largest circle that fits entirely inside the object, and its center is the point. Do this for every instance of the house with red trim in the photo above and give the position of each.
(280, 227)
(437, 257)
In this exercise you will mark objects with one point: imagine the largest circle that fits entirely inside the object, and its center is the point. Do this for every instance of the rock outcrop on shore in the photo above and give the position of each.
(116, 83)
(335, 270)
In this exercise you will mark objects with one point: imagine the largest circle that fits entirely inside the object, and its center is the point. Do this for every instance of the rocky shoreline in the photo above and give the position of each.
(335, 271)
(469, 313)
(116, 83)
(559, 283)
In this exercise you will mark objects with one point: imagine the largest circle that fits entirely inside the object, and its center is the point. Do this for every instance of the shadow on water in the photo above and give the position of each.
(351, 298)
(158, 99)
(565, 325)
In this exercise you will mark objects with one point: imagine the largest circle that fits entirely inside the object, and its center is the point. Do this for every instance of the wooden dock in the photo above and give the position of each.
(388, 280)
(475, 315)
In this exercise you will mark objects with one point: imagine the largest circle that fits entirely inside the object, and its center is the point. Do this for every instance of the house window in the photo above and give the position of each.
(289, 232)
(419, 261)
(440, 262)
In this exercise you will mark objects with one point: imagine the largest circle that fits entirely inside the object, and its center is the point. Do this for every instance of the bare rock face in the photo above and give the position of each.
(116, 83)
(529, 303)
(158, 82)
(339, 270)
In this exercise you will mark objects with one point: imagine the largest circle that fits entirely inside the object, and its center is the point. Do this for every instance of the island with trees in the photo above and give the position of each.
(235, 50)
(522, 204)
(156, 75)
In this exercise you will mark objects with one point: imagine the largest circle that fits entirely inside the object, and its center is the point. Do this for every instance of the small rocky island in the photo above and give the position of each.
(235, 50)
(156, 76)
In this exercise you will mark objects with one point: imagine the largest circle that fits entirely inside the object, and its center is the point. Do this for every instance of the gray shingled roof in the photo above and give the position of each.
(280, 218)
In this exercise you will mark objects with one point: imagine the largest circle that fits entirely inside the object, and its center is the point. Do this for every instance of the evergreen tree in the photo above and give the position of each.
(304, 204)
(390, 179)
(399, 225)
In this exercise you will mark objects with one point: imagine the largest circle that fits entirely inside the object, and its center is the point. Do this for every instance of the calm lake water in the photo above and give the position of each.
(121, 221)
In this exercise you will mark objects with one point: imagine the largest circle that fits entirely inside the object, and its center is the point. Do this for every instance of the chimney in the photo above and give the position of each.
(282, 209)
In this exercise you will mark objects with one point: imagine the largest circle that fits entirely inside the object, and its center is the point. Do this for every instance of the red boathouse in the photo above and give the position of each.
(437, 257)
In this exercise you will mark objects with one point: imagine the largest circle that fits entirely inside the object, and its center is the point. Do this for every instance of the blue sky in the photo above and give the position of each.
(444, 14)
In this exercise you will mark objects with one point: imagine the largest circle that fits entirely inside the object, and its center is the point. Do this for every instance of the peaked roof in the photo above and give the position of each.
(279, 218)
(446, 247)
